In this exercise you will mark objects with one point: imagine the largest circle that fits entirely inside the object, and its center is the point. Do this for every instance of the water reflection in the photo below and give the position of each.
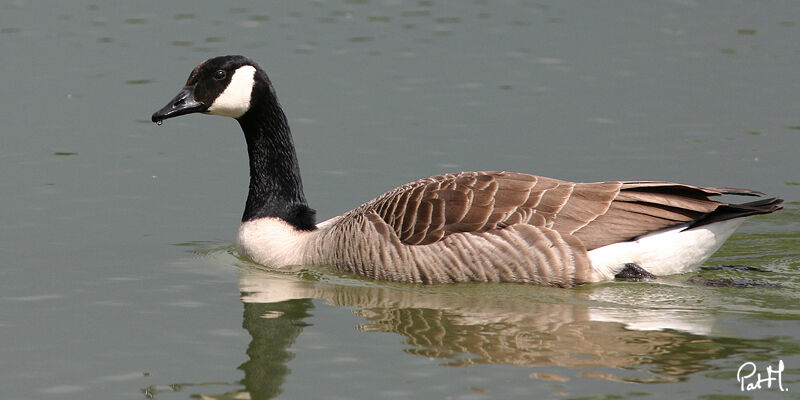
(273, 328)
(630, 332)
(587, 330)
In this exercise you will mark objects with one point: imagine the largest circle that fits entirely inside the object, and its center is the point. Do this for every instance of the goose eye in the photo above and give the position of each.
(219, 75)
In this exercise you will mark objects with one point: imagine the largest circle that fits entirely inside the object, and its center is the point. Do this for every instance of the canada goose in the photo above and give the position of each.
(469, 226)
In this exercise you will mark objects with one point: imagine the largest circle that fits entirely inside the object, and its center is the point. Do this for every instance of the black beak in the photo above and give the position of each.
(183, 103)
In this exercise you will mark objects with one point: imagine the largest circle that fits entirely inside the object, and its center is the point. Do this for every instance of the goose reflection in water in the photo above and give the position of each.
(598, 328)
(631, 332)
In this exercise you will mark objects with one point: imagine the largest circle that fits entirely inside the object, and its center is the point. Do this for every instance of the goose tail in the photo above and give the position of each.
(732, 211)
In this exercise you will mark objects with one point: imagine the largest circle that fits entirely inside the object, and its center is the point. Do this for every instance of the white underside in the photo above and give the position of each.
(666, 252)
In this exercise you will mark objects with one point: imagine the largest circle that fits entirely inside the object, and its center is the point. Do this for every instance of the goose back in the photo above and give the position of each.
(503, 226)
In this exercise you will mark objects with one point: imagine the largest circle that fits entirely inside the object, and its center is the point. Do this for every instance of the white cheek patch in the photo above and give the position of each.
(235, 100)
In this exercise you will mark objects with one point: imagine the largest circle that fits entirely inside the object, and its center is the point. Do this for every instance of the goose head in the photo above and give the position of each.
(235, 86)
(219, 86)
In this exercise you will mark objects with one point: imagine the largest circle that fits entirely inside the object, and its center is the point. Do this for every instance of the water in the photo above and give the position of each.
(118, 278)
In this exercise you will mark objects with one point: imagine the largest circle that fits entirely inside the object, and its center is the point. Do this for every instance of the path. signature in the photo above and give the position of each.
(750, 369)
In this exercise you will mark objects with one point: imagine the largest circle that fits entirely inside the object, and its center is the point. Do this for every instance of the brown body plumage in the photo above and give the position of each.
(506, 226)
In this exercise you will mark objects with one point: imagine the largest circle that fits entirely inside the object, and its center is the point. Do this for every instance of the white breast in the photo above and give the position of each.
(273, 242)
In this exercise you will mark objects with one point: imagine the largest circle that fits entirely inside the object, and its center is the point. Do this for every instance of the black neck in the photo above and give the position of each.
(276, 189)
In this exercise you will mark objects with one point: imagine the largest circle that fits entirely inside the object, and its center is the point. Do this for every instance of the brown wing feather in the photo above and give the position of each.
(643, 207)
(597, 214)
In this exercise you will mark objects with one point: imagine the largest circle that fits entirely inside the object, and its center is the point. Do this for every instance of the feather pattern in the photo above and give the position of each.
(504, 226)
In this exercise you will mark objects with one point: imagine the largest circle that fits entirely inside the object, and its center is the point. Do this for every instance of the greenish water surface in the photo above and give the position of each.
(119, 279)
